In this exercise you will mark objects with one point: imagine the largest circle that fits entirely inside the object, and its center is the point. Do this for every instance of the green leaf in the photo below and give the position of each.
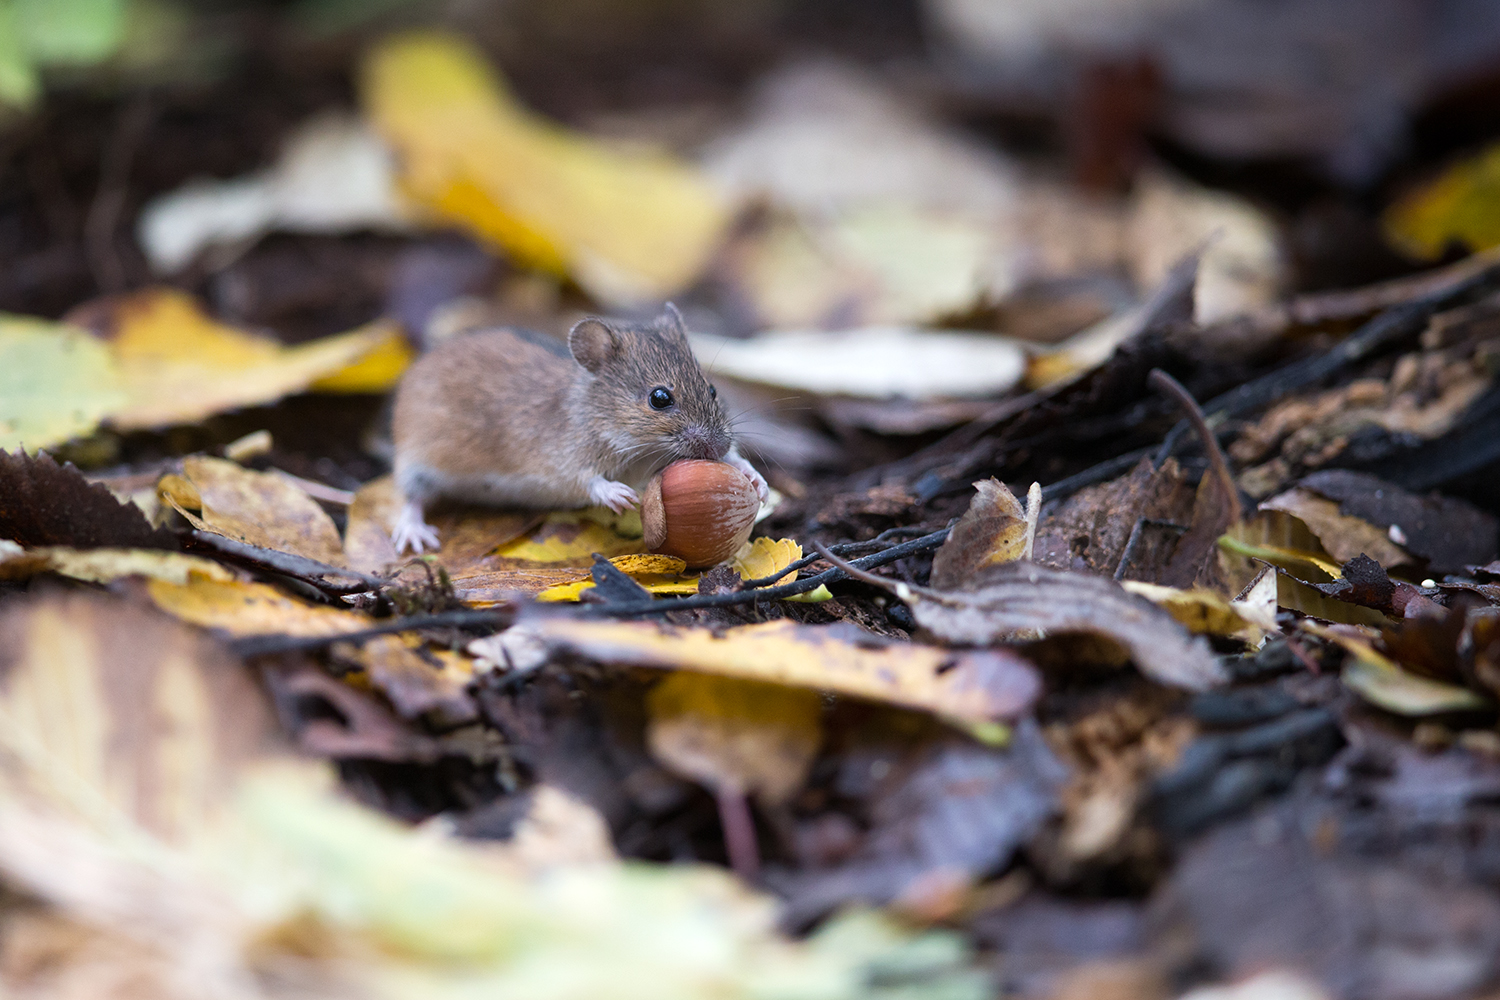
(56, 382)
(18, 82)
(81, 32)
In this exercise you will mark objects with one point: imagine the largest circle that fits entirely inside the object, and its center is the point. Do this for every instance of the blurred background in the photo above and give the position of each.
(1025, 169)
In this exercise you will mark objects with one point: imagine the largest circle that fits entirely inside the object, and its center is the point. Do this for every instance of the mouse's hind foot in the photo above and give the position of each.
(412, 532)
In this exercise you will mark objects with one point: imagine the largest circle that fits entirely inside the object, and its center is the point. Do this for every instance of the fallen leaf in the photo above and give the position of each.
(178, 365)
(467, 535)
(378, 371)
(260, 508)
(56, 383)
(1462, 206)
(870, 362)
(1012, 602)
(764, 557)
(137, 796)
(417, 681)
(658, 574)
(1343, 537)
(629, 227)
(733, 735)
(1201, 611)
(333, 176)
(991, 531)
(241, 608)
(43, 503)
(1382, 682)
(980, 686)
(106, 565)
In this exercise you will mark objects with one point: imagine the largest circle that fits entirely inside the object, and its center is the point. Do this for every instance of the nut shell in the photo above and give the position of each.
(699, 511)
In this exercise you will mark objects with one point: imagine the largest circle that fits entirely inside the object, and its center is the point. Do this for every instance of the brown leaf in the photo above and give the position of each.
(747, 737)
(981, 686)
(1090, 529)
(419, 681)
(1449, 533)
(468, 535)
(1019, 601)
(261, 508)
(1343, 536)
(992, 530)
(43, 503)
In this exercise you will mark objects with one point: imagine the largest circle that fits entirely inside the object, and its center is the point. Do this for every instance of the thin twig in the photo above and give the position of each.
(1160, 380)
(262, 645)
(300, 567)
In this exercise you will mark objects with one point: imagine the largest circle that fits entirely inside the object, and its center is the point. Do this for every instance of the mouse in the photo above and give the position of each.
(507, 417)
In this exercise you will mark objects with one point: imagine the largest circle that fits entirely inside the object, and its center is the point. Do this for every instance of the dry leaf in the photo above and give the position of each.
(242, 608)
(1022, 601)
(979, 686)
(1460, 206)
(1342, 536)
(56, 383)
(629, 227)
(177, 365)
(1382, 682)
(260, 508)
(106, 565)
(733, 735)
(993, 530)
(764, 557)
(869, 362)
(468, 535)
(659, 574)
(43, 503)
(1201, 612)
(419, 681)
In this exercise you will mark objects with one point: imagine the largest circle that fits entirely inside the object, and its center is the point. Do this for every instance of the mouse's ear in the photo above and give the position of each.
(594, 343)
(672, 321)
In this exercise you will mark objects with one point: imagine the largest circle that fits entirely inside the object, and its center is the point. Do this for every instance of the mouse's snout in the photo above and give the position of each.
(698, 441)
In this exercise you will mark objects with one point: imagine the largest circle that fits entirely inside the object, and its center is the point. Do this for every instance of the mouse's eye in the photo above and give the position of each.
(660, 398)
(713, 391)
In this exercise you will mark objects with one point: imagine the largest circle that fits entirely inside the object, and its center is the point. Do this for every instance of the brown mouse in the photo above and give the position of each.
(508, 418)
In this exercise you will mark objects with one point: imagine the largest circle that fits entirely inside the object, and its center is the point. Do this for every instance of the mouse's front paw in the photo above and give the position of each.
(616, 496)
(412, 532)
(737, 460)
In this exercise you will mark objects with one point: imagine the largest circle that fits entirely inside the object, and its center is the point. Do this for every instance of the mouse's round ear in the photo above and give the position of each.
(594, 343)
(671, 320)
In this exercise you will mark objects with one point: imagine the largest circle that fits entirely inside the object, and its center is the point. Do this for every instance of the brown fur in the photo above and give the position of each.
(497, 417)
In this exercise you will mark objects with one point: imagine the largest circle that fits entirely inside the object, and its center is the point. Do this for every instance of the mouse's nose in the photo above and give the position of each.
(700, 442)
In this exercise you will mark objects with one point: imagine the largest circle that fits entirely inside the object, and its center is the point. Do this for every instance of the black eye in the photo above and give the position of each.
(660, 398)
(713, 391)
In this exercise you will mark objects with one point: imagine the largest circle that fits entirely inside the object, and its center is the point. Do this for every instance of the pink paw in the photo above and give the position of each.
(616, 496)
(412, 532)
(743, 464)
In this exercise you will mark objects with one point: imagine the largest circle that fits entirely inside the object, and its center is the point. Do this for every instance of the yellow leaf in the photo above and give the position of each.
(991, 531)
(570, 537)
(107, 565)
(377, 371)
(763, 557)
(179, 365)
(743, 736)
(241, 608)
(659, 574)
(1201, 612)
(1383, 682)
(261, 508)
(1460, 206)
(56, 383)
(965, 686)
(630, 227)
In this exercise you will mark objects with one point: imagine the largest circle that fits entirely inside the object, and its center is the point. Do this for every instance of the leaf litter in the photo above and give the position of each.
(1257, 650)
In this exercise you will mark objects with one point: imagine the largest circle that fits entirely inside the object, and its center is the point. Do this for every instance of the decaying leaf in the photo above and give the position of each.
(56, 383)
(136, 746)
(629, 227)
(973, 687)
(178, 365)
(1013, 602)
(43, 503)
(241, 608)
(1461, 206)
(1203, 612)
(761, 558)
(658, 574)
(869, 362)
(106, 565)
(733, 735)
(468, 535)
(260, 508)
(991, 531)
(1382, 682)
(1342, 536)
(419, 681)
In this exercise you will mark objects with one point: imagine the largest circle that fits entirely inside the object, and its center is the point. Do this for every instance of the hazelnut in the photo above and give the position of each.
(699, 511)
